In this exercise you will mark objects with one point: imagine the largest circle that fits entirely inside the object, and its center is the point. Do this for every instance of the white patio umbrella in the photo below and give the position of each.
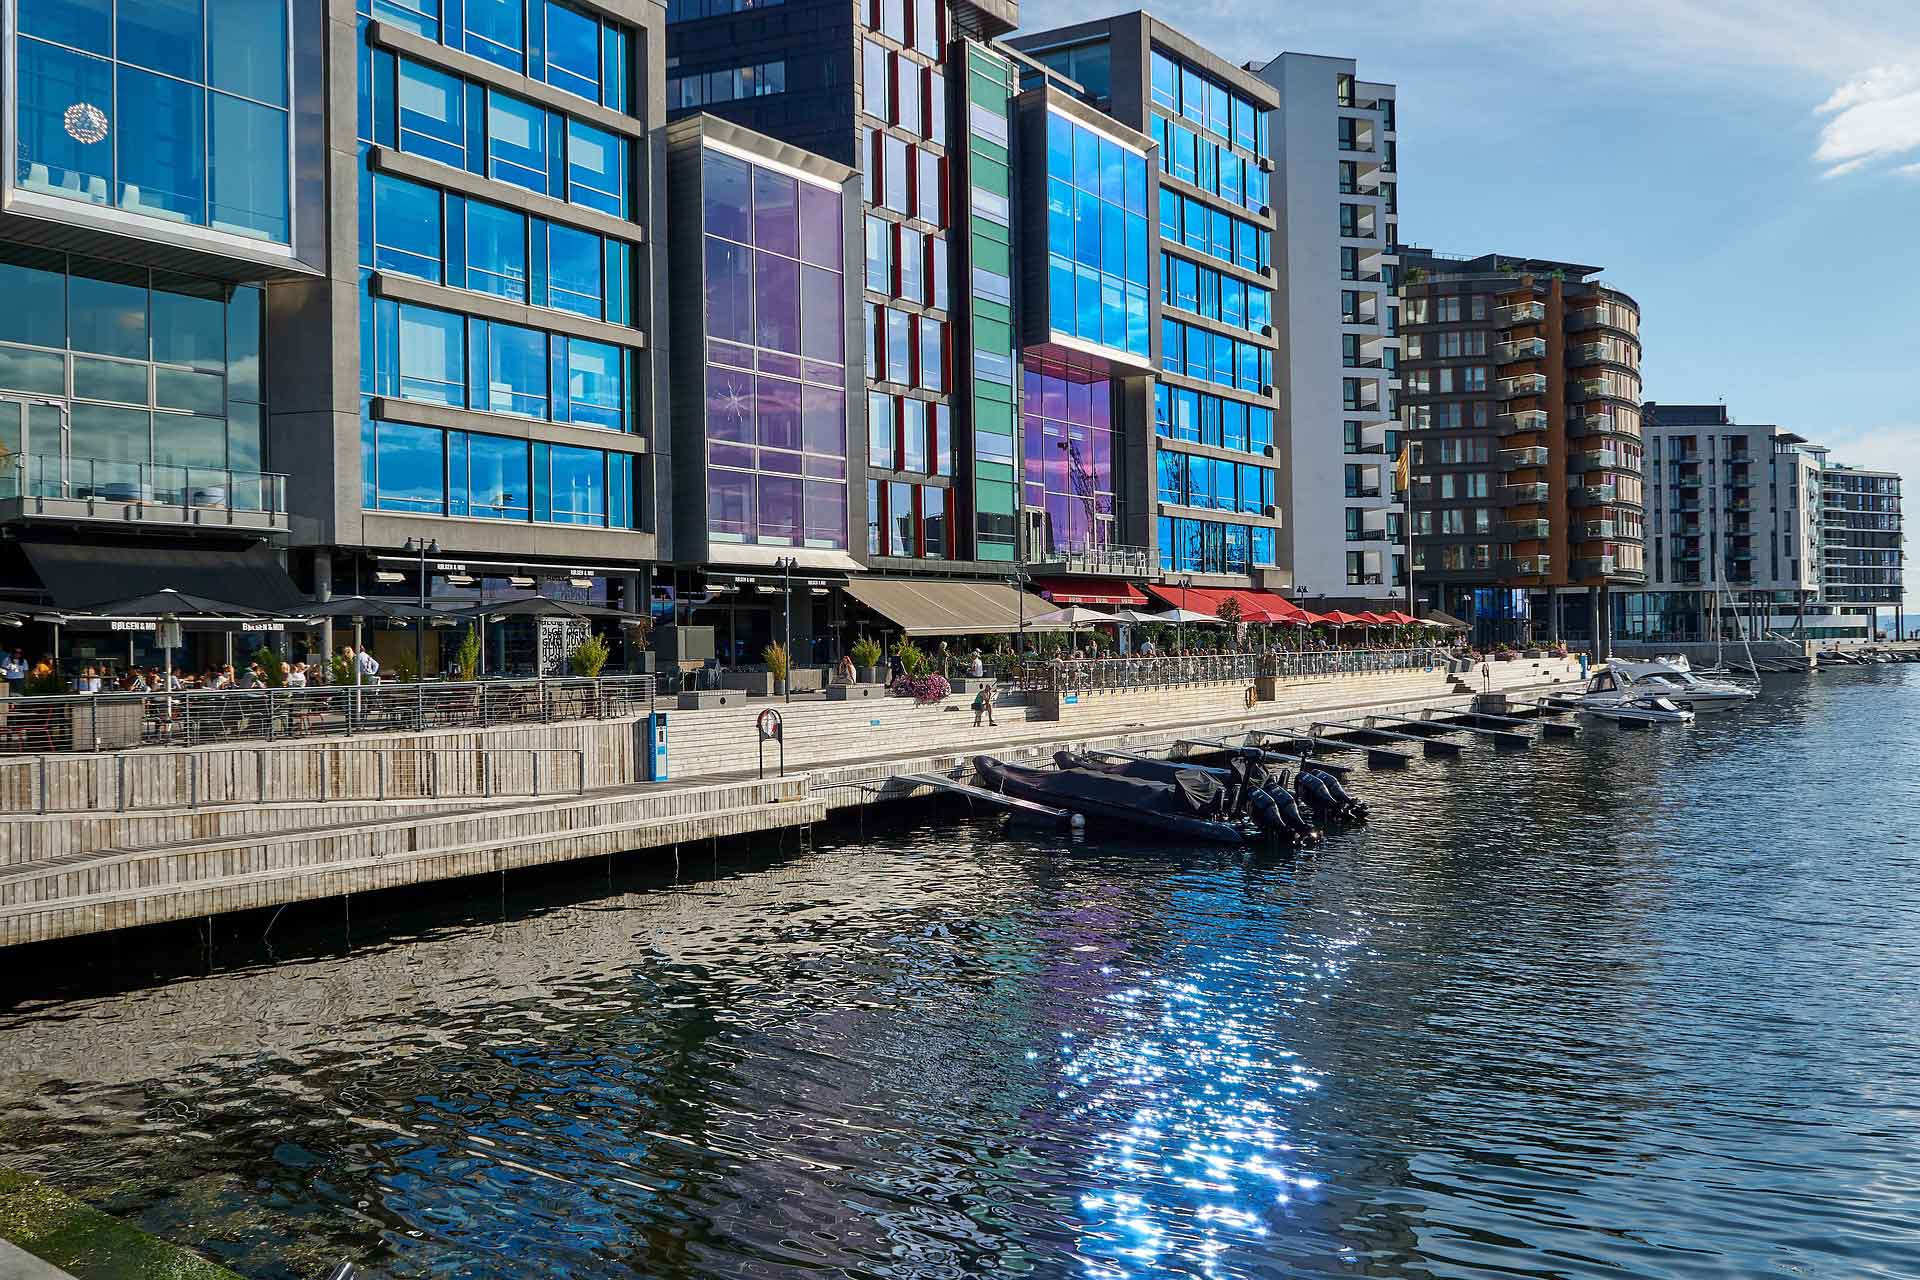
(1180, 617)
(1073, 615)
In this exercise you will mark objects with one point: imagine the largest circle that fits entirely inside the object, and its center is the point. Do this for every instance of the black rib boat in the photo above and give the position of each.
(1191, 803)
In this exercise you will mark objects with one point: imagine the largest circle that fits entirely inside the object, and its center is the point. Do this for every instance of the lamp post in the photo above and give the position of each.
(1019, 580)
(424, 547)
(1186, 585)
(785, 564)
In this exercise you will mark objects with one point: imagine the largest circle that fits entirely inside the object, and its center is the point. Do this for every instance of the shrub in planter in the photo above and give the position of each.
(865, 653)
(924, 688)
(273, 672)
(913, 659)
(589, 657)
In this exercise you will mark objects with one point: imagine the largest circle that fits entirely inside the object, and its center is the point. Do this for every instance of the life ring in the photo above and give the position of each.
(1251, 696)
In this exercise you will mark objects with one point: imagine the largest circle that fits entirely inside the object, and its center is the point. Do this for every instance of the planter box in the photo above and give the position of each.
(850, 692)
(708, 699)
(757, 684)
(969, 685)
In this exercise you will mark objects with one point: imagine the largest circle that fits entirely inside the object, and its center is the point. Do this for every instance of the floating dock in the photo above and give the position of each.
(1018, 808)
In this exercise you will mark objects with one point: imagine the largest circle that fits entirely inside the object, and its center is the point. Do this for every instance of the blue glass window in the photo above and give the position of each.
(247, 182)
(1059, 217)
(575, 282)
(596, 169)
(573, 51)
(496, 31)
(84, 24)
(422, 17)
(406, 228)
(517, 142)
(162, 35)
(496, 251)
(162, 146)
(497, 487)
(595, 394)
(516, 370)
(410, 468)
(432, 119)
(432, 356)
(577, 485)
(51, 159)
(247, 49)
(1166, 91)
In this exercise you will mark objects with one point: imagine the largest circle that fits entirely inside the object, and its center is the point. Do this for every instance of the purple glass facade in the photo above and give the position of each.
(776, 357)
(1067, 422)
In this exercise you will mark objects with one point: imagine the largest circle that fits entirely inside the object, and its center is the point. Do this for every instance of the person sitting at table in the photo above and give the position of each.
(133, 681)
(249, 677)
(297, 676)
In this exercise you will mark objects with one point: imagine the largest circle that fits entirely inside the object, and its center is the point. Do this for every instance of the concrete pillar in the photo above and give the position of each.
(323, 592)
(1553, 615)
(1593, 624)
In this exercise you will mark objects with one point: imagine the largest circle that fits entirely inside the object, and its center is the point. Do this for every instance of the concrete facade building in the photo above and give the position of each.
(1522, 402)
(478, 374)
(1863, 568)
(1336, 201)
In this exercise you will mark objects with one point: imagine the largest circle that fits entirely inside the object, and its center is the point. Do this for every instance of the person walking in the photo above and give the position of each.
(983, 706)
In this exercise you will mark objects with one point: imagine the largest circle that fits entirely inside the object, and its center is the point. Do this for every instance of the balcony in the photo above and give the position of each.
(48, 487)
(1593, 567)
(1366, 535)
(1589, 388)
(1596, 460)
(1594, 495)
(1108, 560)
(1363, 491)
(1526, 384)
(1515, 459)
(1523, 530)
(1524, 420)
(1587, 317)
(1590, 353)
(1740, 553)
(1519, 494)
(1520, 313)
(1527, 567)
(1598, 529)
(1688, 482)
(1524, 349)
(1582, 424)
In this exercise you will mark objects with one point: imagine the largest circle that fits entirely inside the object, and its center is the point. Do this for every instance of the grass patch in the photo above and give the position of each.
(88, 1243)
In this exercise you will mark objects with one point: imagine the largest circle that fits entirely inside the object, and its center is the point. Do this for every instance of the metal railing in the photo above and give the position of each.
(1111, 558)
(1087, 675)
(193, 717)
(204, 488)
(314, 773)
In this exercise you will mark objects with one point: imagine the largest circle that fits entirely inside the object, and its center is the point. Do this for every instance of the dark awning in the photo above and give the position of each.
(923, 607)
(77, 575)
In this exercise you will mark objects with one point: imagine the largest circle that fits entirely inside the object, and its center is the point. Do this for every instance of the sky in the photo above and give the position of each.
(1748, 169)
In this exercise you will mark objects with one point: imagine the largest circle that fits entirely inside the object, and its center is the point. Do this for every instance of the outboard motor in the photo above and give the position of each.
(1350, 809)
(1290, 814)
(1312, 789)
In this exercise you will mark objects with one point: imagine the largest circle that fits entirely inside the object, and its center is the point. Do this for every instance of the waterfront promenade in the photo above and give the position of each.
(189, 838)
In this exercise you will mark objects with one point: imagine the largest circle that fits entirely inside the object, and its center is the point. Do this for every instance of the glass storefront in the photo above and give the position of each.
(1068, 453)
(135, 384)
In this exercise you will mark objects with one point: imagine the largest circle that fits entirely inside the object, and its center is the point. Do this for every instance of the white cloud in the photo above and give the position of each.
(1875, 116)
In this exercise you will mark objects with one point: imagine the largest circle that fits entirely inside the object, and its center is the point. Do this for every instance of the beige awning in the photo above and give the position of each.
(932, 608)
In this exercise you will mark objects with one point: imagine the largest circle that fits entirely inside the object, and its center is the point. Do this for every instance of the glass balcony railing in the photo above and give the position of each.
(1597, 460)
(1527, 384)
(1521, 313)
(1585, 423)
(1524, 349)
(1598, 529)
(1590, 353)
(146, 484)
(1525, 420)
(1596, 494)
(1590, 387)
(1515, 459)
(1521, 493)
(1525, 530)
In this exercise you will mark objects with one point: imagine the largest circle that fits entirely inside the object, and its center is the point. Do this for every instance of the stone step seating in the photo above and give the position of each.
(114, 888)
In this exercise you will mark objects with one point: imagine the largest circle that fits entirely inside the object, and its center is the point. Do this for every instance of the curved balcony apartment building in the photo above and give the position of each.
(1522, 406)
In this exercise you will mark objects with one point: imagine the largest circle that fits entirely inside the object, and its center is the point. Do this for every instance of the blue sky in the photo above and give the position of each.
(1748, 169)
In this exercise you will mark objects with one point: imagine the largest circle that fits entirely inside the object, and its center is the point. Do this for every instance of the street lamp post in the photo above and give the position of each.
(785, 564)
(424, 547)
(1186, 585)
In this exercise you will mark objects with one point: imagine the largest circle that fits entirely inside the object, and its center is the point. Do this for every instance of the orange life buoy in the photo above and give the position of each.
(1252, 697)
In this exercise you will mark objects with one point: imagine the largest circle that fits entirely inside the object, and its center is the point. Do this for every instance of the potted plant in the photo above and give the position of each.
(589, 657)
(779, 665)
(273, 671)
(866, 656)
(639, 635)
(913, 659)
(466, 659)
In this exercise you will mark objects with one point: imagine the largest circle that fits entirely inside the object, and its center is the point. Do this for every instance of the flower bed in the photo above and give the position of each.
(923, 689)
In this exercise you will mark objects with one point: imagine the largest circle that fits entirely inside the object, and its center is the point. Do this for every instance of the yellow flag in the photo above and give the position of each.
(1402, 468)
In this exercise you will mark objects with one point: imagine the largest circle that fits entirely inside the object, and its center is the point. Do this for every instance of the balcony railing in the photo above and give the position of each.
(1593, 567)
(1587, 317)
(1110, 560)
(1523, 530)
(148, 484)
(1086, 675)
(1524, 349)
(1584, 423)
(1597, 460)
(1590, 387)
(1521, 313)
(1525, 420)
(1527, 384)
(1590, 353)
(1596, 494)
(1599, 529)
(1527, 567)
(1521, 493)
(1514, 459)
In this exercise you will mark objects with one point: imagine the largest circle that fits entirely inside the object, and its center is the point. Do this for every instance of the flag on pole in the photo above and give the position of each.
(1402, 468)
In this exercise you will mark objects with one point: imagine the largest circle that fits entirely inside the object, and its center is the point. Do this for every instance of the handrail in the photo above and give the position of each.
(1070, 675)
(113, 721)
(432, 781)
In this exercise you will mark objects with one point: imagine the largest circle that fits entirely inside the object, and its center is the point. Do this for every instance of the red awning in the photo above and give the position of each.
(1398, 618)
(1255, 606)
(1371, 618)
(1089, 591)
(1339, 618)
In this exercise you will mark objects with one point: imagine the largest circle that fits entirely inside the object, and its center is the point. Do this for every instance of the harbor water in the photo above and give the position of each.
(1643, 1004)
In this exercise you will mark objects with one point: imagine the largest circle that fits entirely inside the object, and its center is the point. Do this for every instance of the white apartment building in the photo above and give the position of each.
(1338, 268)
(1739, 536)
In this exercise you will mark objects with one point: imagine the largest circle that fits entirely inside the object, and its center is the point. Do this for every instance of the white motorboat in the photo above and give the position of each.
(1608, 697)
(1673, 678)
